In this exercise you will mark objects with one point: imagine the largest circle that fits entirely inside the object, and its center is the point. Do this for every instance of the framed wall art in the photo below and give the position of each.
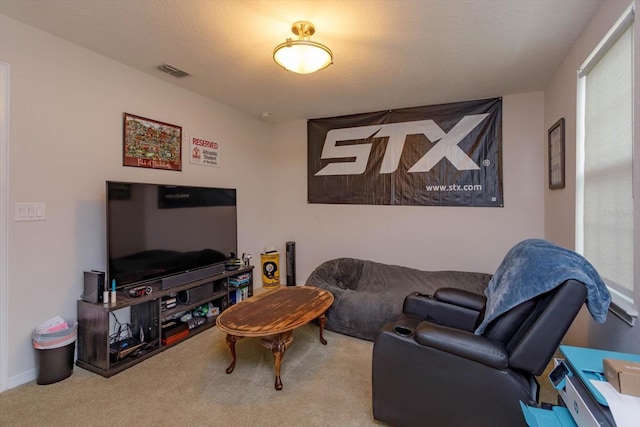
(556, 155)
(151, 144)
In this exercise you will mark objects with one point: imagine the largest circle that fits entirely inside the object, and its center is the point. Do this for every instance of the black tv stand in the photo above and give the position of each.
(148, 313)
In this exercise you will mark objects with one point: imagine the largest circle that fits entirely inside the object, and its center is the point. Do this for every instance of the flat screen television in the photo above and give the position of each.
(157, 230)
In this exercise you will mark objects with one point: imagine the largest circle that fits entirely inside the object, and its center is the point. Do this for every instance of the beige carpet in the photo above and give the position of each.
(187, 386)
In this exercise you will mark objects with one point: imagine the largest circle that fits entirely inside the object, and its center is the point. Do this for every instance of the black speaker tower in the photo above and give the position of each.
(291, 263)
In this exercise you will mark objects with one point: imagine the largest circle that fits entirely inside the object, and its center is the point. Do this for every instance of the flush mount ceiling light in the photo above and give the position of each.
(302, 56)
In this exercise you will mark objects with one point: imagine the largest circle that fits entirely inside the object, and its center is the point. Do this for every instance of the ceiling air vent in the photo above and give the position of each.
(175, 72)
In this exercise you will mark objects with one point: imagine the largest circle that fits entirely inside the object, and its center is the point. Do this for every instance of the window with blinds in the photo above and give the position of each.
(606, 212)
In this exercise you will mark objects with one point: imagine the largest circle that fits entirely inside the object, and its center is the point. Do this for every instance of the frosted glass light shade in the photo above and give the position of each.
(302, 56)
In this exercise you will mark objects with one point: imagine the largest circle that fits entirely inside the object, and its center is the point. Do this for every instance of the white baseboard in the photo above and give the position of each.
(22, 378)
(32, 374)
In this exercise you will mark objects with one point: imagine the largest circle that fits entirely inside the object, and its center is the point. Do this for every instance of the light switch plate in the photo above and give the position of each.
(31, 211)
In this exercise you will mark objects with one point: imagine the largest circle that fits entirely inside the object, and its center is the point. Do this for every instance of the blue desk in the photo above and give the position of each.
(559, 416)
(586, 364)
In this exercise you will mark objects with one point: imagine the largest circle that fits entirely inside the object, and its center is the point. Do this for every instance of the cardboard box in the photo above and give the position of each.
(623, 375)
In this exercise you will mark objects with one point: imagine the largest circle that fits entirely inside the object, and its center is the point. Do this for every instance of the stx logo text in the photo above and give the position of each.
(446, 146)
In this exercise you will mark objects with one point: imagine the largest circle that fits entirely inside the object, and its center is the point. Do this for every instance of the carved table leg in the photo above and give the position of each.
(278, 350)
(278, 345)
(323, 321)
(231, 343)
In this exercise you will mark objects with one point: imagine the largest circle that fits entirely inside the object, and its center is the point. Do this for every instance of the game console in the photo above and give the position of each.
(172, 328)
(196, 321)
(93, 286)
(173, 331)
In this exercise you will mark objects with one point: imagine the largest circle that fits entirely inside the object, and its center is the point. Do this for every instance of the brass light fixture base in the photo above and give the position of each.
(303, 29)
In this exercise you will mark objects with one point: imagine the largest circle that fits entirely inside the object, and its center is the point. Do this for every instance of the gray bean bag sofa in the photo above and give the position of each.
(368, 294)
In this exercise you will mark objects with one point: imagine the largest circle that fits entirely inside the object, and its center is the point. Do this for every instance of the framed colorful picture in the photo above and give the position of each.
(556, 155)
(151, 144)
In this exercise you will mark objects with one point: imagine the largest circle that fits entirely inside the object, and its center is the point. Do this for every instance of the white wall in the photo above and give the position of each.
(430, 238)
(66, 141)
(560, 101)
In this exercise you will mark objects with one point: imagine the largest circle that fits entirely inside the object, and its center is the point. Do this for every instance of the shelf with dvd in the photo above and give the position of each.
(154, 321)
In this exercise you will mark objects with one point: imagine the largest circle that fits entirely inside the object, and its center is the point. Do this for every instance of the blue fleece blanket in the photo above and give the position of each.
(535, 266)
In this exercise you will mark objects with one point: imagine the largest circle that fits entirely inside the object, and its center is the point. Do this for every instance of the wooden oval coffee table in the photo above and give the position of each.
(273, 316)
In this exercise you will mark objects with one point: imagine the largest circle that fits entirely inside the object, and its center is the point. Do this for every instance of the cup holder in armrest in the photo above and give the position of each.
(402, 331)
(421, 295)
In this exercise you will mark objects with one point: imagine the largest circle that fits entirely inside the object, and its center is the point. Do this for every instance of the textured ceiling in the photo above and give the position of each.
(388, 53)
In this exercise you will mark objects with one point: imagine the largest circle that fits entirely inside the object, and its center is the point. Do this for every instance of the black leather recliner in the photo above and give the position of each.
(430, 369)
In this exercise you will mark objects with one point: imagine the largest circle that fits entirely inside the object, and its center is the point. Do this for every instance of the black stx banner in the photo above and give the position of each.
(438, 155)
